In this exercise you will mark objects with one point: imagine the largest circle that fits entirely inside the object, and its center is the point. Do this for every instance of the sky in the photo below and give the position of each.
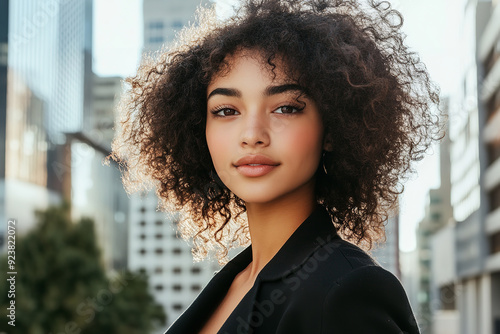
(117, 37)
(432, 31)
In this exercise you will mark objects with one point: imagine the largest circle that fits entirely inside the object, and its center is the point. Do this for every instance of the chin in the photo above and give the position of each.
(257, 197)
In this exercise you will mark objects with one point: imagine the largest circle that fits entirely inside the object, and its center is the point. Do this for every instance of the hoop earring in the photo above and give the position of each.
(323, 162)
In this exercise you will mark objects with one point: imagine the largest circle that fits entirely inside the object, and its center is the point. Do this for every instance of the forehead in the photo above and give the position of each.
(251, 63)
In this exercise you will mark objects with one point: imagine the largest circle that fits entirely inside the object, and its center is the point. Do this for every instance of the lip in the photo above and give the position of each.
(263, 165)
(255, 159)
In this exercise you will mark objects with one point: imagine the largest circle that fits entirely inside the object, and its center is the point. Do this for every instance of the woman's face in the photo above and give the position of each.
(264, 143)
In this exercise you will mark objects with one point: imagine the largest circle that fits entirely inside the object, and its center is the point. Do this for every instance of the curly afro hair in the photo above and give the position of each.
(374, 96)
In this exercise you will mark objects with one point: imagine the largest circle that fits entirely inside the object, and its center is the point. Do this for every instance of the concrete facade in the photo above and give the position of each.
(466, 291)
(164, 19)
(156, 249)
(387, 254)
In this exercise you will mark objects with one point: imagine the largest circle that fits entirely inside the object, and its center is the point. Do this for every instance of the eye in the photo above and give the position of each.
(288, 110)
(222, 112)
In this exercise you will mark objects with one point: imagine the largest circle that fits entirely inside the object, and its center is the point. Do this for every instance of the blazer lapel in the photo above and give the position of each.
(316, 231)
(313, 233)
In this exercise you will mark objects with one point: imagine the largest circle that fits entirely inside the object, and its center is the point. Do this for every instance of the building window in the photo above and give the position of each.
(143, 209)
(495, 197)
(177, 270)
(159, 287)
(142, 251)
(177, 24)
(447, 297)
(159, 223)
(195, 287)
(177, 307)
(142, 223)
(159, 251)
(142, 270)
(158, 270)
(195, 270)
(495, 243)
(177, 287)
(104, 98)
(107, 83)
(436, 216)
(155, 39)
(142, 236)
(435, 200)
(493, 150)
(159, 236)
(177, 251)
(156, 25)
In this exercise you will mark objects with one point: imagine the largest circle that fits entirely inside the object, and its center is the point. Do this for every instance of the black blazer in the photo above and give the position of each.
(316, 283)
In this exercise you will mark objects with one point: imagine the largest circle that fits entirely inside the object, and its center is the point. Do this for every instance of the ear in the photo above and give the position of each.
(328, 142)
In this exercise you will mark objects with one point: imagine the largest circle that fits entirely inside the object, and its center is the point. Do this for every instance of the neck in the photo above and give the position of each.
(272, 223)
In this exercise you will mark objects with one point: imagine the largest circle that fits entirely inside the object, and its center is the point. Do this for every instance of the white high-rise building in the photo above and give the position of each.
(154, 246)
(164, 18)
(156, 249)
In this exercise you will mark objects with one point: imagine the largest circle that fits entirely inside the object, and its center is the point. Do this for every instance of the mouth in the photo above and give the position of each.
(255, 170)
(255, 160)
(255, 165)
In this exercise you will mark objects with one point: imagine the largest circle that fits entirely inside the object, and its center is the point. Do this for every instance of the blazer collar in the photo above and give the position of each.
(315, 231)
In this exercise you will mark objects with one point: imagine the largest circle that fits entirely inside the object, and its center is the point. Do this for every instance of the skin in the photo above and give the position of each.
(252, 121)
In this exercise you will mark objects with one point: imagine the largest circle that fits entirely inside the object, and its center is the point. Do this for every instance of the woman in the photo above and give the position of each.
(287, 126)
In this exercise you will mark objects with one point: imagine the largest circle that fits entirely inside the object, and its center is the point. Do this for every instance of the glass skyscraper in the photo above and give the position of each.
(45, 77)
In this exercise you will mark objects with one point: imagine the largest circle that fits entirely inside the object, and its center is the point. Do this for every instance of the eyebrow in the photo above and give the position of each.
(274, 90)
(225, 91)
(269, 91)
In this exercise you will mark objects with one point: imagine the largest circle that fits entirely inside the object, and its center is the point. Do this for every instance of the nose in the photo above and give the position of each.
(255, 130)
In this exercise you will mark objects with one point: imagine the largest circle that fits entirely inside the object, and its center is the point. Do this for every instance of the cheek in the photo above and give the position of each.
(305, 143)
(217, 144)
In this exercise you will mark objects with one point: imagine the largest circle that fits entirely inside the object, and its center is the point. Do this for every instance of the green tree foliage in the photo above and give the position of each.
(61, 286)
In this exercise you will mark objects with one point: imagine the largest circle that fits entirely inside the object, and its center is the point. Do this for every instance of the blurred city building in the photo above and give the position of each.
(410, 277)
(438, 213)
(404, 265)
(466, 251)
(57, 122)
(106, 92)
(48, 64)
(4, 34)
(97, 190)
(156, 249)
(489, 96)
(153, 245)
(387, 254)
(163, 19)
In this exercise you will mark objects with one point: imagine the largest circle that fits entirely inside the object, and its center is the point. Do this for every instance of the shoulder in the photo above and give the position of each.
(337, 258)
(332, 263)
(366, 287)
(355, 293)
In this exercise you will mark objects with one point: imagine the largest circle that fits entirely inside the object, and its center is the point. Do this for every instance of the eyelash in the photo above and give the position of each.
(298, 110)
